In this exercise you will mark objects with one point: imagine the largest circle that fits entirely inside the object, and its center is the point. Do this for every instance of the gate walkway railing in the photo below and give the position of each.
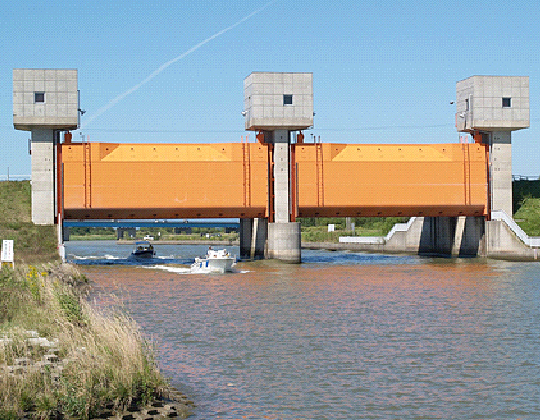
(532, 241)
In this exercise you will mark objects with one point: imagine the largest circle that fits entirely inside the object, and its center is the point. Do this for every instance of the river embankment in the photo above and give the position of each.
(61, 357)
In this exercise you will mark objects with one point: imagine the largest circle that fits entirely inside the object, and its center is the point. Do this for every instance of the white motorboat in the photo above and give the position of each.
(216, 261)
(143, 250)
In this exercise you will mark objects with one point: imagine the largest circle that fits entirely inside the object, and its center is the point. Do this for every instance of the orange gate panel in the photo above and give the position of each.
(105, 180)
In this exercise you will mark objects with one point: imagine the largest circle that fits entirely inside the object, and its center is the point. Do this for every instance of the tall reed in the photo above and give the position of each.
(60, 357)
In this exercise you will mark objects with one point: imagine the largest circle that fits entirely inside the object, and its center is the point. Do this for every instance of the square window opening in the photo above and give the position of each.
(287, 99)
(39, 97)
(507, 102)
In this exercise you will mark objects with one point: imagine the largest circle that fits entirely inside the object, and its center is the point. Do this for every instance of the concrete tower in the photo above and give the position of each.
(45, 102)
(490, 108)
(276, 104)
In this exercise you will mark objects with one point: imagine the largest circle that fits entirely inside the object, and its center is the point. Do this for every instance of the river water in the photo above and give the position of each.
(340, 336)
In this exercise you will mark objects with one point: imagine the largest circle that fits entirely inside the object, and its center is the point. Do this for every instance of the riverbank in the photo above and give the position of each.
(60, 357)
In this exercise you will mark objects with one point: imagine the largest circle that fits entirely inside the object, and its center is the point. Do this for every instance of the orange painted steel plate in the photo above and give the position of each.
(166, 180)
(103, 180)
(391, 180)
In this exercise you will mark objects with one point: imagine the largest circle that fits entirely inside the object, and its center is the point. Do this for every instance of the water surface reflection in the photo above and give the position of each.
(388, 338)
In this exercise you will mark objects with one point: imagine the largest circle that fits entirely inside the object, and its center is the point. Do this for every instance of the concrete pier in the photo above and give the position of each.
(132, 232)
(501, 171)
(253, 238)
(284, 242)
(43, 177)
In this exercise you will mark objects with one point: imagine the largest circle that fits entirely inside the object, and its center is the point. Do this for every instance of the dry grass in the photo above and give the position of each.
(103, 360)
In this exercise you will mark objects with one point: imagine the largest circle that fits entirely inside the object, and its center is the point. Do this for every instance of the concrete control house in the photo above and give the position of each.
(275, 101)
(492, 107)
(45, 102)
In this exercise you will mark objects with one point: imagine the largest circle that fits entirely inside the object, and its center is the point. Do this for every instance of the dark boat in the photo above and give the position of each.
(143, 249)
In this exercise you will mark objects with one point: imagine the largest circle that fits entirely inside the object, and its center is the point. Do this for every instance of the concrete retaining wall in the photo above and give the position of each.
(503, 243)
(450, 236)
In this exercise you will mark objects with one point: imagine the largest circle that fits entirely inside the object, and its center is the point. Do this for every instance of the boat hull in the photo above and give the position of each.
(213, 265)
(143, 255)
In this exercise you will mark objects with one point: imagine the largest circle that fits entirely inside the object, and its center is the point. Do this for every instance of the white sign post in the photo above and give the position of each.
(7, 253)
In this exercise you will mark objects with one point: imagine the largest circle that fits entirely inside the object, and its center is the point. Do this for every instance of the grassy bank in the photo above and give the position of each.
(32, 244)
(59, 358)
(528, 216)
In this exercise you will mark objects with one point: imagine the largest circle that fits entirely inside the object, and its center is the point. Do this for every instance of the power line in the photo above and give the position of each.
(329, 129)
(372, 128)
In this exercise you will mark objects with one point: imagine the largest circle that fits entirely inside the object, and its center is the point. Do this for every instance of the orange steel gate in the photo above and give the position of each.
(106, 180)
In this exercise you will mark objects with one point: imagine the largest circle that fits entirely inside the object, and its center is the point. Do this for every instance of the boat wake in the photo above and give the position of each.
(115, 260)
(179, 270)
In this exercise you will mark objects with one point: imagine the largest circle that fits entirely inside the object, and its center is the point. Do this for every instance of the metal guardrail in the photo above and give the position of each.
(149, 224)
(399, 227)
(365, 240)
(532, 241)
(525, 178)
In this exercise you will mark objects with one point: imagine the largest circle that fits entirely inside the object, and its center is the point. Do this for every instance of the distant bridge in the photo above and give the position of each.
(149, 224)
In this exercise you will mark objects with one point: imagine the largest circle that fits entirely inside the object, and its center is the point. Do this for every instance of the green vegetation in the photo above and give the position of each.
(526, 201)
(523, 189)
(164, 234)
(528, 216)
(192, 234)
(316, 229)
(59, 358)
(91, 234)
(32, 244)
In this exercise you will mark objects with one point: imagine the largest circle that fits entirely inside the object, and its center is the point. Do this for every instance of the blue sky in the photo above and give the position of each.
(384, 72)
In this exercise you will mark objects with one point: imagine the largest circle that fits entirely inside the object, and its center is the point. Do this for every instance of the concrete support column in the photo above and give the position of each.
(281, 177)
(246, 229)
(43, 177)
(501, 171)
(253, 237)
(284, 242)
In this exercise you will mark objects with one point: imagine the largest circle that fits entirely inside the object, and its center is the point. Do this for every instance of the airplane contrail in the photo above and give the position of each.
(167, 64)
